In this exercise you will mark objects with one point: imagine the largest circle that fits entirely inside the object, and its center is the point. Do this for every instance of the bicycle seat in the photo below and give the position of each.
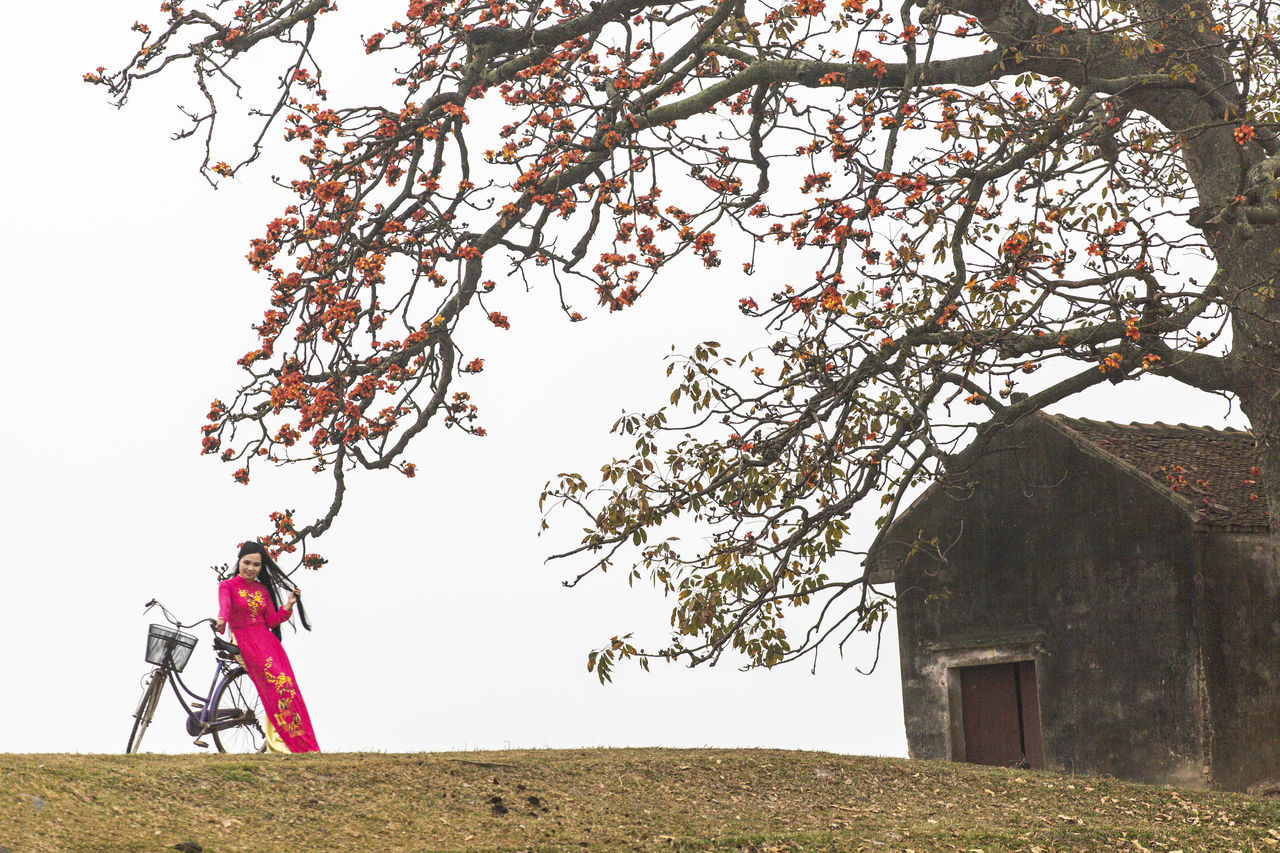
(223, 647)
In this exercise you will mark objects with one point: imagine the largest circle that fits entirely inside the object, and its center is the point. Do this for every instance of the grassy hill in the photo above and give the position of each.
(606, 799)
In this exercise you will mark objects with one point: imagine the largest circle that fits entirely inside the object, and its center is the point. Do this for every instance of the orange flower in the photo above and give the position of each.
(815, 182)
(330, 190)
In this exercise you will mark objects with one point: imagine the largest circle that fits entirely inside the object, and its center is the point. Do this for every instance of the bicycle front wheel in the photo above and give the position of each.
(239, 700)
(146, 710)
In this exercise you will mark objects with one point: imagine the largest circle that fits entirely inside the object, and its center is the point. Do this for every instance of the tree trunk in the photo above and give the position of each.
(1255, 353)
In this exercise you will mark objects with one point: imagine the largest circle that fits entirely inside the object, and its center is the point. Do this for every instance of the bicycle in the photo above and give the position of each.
(230, 711)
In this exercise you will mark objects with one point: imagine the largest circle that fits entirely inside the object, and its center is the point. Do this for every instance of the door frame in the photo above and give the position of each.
(956, 660)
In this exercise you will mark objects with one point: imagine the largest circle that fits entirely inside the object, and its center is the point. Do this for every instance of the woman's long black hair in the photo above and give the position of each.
(273, 579)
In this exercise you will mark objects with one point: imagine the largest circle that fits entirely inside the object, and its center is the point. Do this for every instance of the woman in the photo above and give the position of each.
(251, 607)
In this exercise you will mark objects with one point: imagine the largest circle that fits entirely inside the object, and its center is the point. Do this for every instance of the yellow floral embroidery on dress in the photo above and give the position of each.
(286, 718)
(253, 601)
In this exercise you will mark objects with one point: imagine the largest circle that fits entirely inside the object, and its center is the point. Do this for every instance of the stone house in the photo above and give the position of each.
(1094, 597)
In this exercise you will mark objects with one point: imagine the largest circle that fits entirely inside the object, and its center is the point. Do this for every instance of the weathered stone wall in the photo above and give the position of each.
(1238, 619)
(1062, 557)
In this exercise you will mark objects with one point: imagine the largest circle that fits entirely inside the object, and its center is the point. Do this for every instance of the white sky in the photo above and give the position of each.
(437, 624)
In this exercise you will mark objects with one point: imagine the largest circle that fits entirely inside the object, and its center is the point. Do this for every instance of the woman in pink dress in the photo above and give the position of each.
(251, 608)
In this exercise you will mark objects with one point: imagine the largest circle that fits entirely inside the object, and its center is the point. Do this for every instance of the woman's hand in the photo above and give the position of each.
(219, 625)
(293, 597)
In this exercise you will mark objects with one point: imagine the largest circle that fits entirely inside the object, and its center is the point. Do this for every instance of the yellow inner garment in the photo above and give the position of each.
(275, 743)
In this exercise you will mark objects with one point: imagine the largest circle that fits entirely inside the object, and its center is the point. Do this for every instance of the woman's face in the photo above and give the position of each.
(250, 565)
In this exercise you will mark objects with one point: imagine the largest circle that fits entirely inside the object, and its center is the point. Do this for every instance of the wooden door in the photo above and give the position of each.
(1001, 713)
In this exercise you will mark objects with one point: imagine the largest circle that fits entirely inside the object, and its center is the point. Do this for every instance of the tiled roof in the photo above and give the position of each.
(1214, 469)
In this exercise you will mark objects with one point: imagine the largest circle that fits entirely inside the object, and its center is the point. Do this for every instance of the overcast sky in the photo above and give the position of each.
(437, 623)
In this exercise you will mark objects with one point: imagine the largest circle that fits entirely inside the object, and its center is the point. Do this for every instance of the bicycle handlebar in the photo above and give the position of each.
(169, 617)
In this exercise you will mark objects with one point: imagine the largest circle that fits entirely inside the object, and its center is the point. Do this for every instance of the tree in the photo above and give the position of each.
(997, 204)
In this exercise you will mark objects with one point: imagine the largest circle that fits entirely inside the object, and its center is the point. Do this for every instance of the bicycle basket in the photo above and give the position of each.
(167, 647)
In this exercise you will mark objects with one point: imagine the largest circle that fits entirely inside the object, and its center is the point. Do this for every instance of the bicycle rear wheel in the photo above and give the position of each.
(146, 710)
(239, 700)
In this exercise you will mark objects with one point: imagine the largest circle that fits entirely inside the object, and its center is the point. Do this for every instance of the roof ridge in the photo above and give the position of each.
(1153, 425)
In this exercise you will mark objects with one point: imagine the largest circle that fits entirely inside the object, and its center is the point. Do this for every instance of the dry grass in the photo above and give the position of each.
(614, 799)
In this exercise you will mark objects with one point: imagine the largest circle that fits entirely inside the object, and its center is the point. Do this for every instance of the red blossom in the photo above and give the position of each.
(815, 182)
(627, 297)
(330, 190)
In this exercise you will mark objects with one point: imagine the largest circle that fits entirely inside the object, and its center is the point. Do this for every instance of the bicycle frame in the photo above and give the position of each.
(199, 720)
